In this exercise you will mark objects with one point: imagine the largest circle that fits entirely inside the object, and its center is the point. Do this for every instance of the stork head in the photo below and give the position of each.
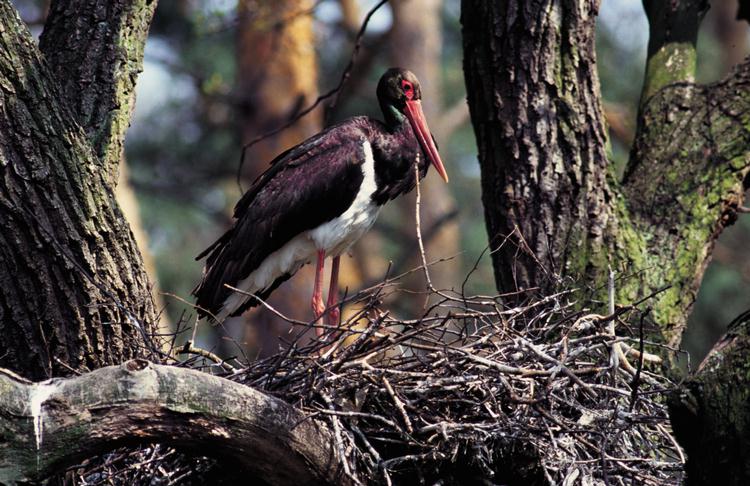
(400, 95)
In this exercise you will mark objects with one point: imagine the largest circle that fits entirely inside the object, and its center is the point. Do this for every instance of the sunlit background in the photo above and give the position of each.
(210, 84)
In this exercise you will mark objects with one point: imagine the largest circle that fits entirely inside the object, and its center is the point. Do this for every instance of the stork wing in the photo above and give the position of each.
(305, 187)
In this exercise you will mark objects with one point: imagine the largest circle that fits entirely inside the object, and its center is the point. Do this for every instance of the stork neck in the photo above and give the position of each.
(393, 117)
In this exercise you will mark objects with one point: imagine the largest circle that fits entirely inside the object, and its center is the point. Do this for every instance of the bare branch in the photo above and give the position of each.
(48, 426)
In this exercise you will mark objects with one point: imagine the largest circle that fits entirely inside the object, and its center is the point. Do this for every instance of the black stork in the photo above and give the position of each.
(316, 200)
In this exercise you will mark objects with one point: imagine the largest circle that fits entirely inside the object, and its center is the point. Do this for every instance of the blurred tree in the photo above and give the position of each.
(731, 32)
(416, 43)
(276, 78)
(131, 211)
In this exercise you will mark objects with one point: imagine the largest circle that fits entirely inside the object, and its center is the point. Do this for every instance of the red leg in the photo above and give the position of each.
(333, 295)
(317, 299)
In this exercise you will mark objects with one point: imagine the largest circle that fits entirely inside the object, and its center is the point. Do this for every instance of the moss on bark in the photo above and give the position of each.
(711, 413)
(547, 183)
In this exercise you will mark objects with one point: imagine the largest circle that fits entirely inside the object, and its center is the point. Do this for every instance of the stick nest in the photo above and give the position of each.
(477, 392)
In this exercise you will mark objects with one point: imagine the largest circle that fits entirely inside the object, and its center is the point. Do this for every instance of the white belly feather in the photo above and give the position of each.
(338, 234)
(334, 236)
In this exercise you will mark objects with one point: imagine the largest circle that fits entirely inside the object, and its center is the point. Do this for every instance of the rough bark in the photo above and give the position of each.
(534, 100)
(689, 164)
(131, 210)
(94, 48)
(96, 65)
(533, 95)
(51, 425)
(72, 286)
(711, 416)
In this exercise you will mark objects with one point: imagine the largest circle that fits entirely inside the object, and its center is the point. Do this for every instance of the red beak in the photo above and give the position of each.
(416, 117)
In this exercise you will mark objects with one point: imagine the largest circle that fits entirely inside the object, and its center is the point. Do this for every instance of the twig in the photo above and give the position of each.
(615, 355)
(188, 348)
(418, 220)
(399, 405)
(637, 377)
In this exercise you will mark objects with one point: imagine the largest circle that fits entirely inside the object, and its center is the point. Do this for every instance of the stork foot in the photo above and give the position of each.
(318, 311)
(334, 314)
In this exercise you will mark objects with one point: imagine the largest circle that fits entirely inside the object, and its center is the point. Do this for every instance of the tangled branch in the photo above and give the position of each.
(473, 390)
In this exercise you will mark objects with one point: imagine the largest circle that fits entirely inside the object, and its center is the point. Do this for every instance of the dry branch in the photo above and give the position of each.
(48, 426)
(474, 390)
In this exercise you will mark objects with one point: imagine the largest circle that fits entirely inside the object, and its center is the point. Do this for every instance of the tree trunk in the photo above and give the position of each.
(95, 52)
(131, 210)
(533, 95)
(689, 164)
(56, 424)
(711, 413)
(73, 292)
(553, 206)
(550, 191)
(276, 78)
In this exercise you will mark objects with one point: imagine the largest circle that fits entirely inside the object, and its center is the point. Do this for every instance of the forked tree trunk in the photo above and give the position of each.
(73, 291)
(553, 205)
(554, 208)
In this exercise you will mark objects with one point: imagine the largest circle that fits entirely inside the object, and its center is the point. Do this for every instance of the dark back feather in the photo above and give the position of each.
(305, 187)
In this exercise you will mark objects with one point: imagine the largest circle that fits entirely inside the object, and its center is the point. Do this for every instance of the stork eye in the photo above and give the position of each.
(408, 89)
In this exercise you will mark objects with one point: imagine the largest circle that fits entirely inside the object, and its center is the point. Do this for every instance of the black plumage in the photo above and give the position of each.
(312, 184)
(304, 188)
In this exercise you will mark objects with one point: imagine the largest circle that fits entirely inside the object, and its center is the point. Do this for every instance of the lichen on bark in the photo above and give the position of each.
(95, 52)
(710, 413)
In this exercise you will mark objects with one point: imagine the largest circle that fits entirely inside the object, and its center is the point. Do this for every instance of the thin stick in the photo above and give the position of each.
(418, 220)
(637, 377)
(399, 405)
(188, 348)
(615, 355)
